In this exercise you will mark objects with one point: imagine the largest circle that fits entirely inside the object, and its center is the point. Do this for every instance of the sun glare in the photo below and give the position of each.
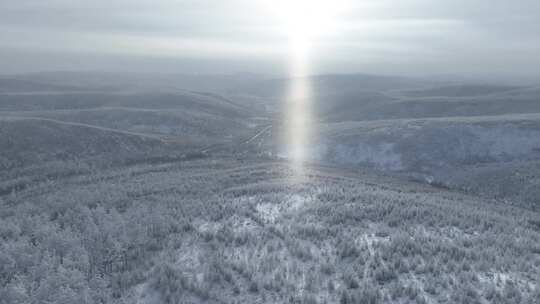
(303, 22)
(305, 19)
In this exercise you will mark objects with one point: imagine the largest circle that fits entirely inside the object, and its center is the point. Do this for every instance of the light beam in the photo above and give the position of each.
(303, 21)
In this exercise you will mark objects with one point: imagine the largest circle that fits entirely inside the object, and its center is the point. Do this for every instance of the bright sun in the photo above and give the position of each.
(307, 19)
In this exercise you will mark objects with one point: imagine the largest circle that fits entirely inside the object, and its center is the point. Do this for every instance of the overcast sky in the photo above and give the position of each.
(416, 37)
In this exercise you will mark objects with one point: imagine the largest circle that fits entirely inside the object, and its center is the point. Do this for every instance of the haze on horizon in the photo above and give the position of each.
(412, 37)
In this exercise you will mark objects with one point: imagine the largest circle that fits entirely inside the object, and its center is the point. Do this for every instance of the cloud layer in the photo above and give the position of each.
(480, 37)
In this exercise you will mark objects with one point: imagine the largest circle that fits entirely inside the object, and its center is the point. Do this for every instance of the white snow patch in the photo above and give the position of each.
(501, 278)
(268, 212)
(296, 202)
(208, 227)
(369, 239)
(242, 224)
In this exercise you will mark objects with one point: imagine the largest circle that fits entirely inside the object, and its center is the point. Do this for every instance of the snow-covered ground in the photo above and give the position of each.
(425, 145)
(445, 151)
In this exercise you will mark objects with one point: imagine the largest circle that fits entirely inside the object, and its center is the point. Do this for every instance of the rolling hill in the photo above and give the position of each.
(33, 141)
(132, 195)
(443, 151)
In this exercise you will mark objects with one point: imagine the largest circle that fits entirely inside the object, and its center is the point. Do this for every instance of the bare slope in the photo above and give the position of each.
(35, 141)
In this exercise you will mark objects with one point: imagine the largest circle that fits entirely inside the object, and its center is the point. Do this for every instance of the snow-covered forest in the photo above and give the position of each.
(118, 196)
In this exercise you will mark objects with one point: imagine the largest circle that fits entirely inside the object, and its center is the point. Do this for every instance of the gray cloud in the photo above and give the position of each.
(397, 37)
